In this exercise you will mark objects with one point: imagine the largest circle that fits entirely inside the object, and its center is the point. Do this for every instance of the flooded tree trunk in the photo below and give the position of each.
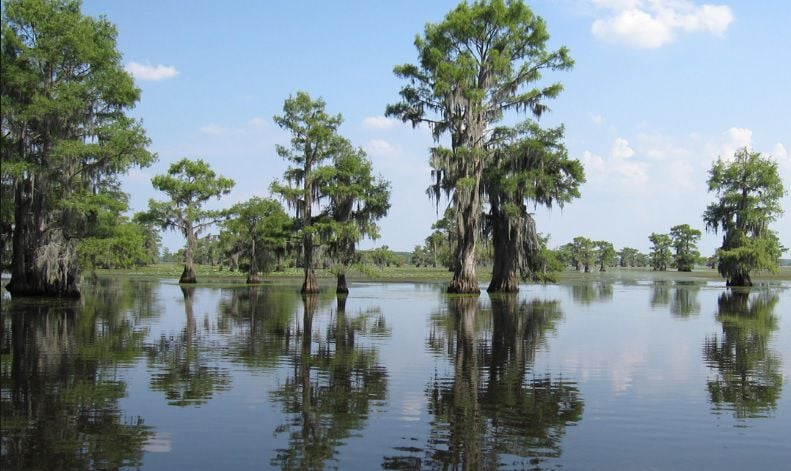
(310, 284)
(44, 260)
(342, 287)
(188, 275)
(468, 207)
(505, 257)
(741, 279)
(252, 276)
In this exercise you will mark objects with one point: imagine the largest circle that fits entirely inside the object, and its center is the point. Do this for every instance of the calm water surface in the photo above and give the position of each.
(623, 375)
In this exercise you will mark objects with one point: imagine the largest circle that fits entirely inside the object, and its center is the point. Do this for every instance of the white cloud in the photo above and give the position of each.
(148, 72)
(378, 123)
(733, 140)
(380, 147)
(636, 27)
(650, 24)
(779, 151)
(596, 119)
(214, 130)
(620, 149)
(257, 122)
(617, 169)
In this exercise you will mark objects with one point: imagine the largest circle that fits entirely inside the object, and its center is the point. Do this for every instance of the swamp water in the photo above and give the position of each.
(623, 375)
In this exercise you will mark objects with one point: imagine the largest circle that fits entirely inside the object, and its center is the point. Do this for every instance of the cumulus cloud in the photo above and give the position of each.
(149, 72)
(650, 24)
(732, 140)
(616, 169)
(378, 123)
(380, 147)
(620, 149)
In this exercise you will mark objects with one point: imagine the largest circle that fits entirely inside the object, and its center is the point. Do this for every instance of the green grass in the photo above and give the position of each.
(408, 273)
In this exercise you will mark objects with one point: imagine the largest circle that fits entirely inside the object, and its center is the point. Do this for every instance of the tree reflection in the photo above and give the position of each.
(259, 317)
(60, 391)
(748, 377)
(182, 363)
(660, 294)
(587, 293)
(685, 299)
(492, 411)
(332, 387)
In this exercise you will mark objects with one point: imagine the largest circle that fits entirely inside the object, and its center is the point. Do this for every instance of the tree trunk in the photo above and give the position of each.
(342, 287)
(468, 203)
(741, 279)
(188, 275)
(310, 284)
(252, 276)
(44, 260)
(504, 267)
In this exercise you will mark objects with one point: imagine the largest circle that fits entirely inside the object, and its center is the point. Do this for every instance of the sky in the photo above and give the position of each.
(660, 89)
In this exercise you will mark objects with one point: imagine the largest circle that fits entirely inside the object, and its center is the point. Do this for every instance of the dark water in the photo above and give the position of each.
(640, 375)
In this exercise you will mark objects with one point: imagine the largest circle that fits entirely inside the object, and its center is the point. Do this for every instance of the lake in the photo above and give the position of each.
(606, 375)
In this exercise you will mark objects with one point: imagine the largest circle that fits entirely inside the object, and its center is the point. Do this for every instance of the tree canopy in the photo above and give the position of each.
(685, 240)
(66, 136)
(314, 142)
(189, 184)
(474, 66)
(749, 190)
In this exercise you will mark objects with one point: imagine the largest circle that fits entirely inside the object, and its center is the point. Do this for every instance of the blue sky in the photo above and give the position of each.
(660, 89)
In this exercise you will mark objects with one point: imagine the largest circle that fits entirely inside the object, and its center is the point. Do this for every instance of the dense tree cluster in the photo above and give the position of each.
(67, 138)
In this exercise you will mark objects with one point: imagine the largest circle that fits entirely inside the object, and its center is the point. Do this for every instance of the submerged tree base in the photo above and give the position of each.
(463, 288)
(188, 276)
(503, 285)
(253, 279)
(310, 285)
(739, 280)
(342, 287)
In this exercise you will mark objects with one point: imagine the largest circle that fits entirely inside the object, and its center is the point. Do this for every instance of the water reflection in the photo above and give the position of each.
(332, 385)
(492, 411)
(685, 299)
(182, 365)
(259, 317)
(587, 293)
(660, 293)
(60, 384)
(682, 296)
(748, 378)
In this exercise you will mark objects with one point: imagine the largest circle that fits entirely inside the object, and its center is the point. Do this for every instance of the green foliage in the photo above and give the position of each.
(583, 254)
(357, 201)
(125, 247)
(189, 184)
(261, 229)
(631, 257)
(685, 243)
(749, 190)
(605, 254)
(382, 257)
(474, 66)
(65, 135)
(314, 141)
(660, 255)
